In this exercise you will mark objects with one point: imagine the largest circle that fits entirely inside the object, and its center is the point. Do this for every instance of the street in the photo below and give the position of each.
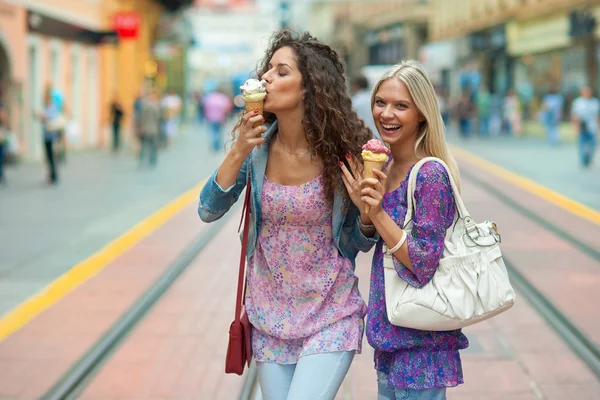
(177, 349)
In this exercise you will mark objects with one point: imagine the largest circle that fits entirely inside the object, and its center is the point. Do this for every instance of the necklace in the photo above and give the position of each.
(280, 140)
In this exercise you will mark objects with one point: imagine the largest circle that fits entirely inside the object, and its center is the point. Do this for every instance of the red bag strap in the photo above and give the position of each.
(241, 292)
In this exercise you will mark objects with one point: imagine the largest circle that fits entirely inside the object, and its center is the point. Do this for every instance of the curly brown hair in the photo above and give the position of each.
(332, 127)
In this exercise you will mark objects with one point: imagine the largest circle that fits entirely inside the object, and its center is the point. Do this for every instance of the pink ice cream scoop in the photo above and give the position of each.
(376, 146)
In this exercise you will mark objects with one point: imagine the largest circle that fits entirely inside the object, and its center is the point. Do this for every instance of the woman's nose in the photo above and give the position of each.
(387, 112)
(265, 76)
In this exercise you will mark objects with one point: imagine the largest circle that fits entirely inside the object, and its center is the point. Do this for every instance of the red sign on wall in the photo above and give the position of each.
(127, 24)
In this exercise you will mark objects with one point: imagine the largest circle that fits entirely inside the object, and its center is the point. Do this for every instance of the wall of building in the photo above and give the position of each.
(123, 65)
(12, 37)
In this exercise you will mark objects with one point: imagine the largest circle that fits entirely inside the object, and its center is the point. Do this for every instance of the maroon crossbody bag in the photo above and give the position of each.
(239, 350)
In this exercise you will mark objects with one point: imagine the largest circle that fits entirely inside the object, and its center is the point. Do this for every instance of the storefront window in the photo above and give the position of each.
(536, 74)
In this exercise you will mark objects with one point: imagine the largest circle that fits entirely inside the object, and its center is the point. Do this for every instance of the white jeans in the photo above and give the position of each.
(314, 377)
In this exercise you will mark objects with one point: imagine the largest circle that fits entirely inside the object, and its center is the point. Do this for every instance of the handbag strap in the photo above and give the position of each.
(412, 182)
(241, 292)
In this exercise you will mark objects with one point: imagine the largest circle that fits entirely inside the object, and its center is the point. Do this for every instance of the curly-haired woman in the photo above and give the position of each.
(302, 296)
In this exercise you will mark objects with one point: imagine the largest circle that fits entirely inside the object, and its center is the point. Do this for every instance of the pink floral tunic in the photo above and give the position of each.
(302, 294)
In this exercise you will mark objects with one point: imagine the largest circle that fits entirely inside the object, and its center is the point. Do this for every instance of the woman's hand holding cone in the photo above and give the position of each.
(363, 191)
(250, 136)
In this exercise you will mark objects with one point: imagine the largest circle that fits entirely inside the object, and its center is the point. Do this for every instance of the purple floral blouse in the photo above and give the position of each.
(413, 358)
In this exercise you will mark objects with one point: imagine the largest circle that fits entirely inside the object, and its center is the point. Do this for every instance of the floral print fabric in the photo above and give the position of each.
(302, 294)
(413, 358)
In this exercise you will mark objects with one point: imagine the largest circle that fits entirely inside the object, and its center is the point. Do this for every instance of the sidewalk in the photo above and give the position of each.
(48, 229)
(554, 167)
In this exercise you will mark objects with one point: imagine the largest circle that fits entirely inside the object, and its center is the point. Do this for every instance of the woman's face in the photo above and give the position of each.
(396, 116)
(284, 82)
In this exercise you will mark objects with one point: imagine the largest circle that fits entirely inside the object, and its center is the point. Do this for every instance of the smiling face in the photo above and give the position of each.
(284, 82)
(396, 116)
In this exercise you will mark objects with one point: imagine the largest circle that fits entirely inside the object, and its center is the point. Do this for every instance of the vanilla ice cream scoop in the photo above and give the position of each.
(254, 88)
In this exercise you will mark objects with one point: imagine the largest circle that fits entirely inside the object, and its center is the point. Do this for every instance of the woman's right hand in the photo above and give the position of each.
(249, 136)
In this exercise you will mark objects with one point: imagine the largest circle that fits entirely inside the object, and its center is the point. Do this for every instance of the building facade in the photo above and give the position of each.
(375, 33)
(73, 46)
(531, 46)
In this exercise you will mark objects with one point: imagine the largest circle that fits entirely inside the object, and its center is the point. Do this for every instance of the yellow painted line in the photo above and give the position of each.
(547, 194)
(88, 268)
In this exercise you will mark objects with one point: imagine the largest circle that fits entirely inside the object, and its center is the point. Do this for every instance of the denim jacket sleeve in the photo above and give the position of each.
(352, 238)
(216, 201)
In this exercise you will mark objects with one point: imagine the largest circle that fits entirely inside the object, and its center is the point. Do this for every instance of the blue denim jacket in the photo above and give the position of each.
(215, 202)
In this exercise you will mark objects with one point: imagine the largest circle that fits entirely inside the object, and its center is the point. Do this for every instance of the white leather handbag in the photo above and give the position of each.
(470, 283)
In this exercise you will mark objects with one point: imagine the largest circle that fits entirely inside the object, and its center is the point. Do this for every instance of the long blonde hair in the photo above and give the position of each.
(432, 133)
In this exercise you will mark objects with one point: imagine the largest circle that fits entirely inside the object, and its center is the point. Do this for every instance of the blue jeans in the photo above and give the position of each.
(484, 126)
(384, 392)
(553, 133)
(215, 131)
(314, 377)
(1, 159)
(149, 142)
(587, 147)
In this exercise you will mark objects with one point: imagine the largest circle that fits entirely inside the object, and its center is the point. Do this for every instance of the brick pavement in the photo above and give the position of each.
(568, 277)
(33, 358)
(178, 351)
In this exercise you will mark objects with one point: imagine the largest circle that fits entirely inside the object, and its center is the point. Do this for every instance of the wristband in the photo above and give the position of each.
(363, 226)
(399, 244)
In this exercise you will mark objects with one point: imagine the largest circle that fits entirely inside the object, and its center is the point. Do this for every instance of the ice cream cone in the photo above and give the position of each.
(254, 93)
(369, 166)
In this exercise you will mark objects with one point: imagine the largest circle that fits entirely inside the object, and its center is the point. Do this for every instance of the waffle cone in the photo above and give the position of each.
(369, 166)
(255, 105)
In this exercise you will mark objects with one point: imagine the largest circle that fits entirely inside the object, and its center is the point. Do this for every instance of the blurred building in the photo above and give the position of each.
(465, 45)
(89, 50)
(229, 38)
(528, 45)
(371, 32)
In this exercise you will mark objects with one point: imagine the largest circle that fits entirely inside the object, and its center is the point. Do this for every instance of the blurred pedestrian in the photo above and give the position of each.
(217, 107)
(484, 110)
(117, 114)
(4, 127)
(512, 113)
(137, 111)
(302, 294)
(52, 122)
(410, 363)
(60, 122)
(496, 116)
(465, 111)
(171, 107)
(361, 101)
(199, 100)
(444, 105)
(150, 119)
(552, 105)
(585, 112)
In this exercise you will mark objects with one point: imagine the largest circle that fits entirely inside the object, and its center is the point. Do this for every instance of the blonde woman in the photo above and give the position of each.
(410, 364)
